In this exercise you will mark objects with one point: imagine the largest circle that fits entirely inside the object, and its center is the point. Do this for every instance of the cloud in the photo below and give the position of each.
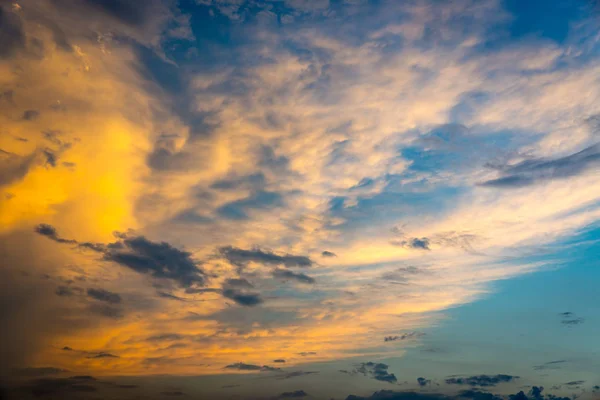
(296, 374)
(11, 32)
(293, 395)
(532, 171)
(550, 365)
(104, 295)
(14, 167)
(482, 380)
(241, 257)
(240, 366)
(158, 259)
(286, 274)
(39, 371)
(103, 355)
(328, 254)
(414, 243)
(570, 319)
(404, 336)
(279, 360)
(242, 298)
(469, 394)
(377, 371)
(423, 382)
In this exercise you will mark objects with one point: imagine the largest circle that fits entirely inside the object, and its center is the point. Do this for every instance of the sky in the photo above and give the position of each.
(312, 199)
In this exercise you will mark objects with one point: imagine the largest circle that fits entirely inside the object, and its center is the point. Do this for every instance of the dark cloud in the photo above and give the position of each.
(286, 274)
(161, 260)
(104, 295)
(14, 167)
(404, 336)
(570, 319)
(172, 393)
(250, 182)
(240, 366)
(378, 371)
(39, 371)
(307, 353)
(239, 283)
(534, 170)
(158, 259)
(328, 254)
(242, 298)
(165, 337)
(30, 115)
(241, 257)
(67, 291)
(296, 374)
(481, 380)
(12, 37)
(123, 10)
(50, 232)
(293, 395)
(413, 243)
(467, 394)
(170, 296)
(549, 365)
(103, 355)
(574, 383)
(261, 200)
(62, 387)
(279, 360)
(106, 310)
(423, 382)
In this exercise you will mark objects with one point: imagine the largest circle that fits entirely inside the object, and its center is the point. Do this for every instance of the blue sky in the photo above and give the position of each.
(350, 199)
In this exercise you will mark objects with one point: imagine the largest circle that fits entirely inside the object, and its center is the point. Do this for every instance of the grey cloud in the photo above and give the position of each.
(404, 336)
(328, 254)
(239, 282)
(104, 295)
(534, 170)
(242, 298)
(240, 257)
(14, 167)
(240, 366)
(158, 259)
(423, 382)
(293, 395)
(165, 337)
(67, 291)
(414, 243)
(254, 181)
(62, 387)
(296, 374)
(377, 371)
(261, 200)
(286, 274)
(106, 310)
(467, 394)
(307, 353)
(279, 360)
(12, 37)
(172, 393)
(481, 380)
(570, 319)
(39, 371)
(30, 115)
(549, 365)
(103, 355)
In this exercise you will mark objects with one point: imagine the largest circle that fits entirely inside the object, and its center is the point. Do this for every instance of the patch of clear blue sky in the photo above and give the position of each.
(519, 325)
